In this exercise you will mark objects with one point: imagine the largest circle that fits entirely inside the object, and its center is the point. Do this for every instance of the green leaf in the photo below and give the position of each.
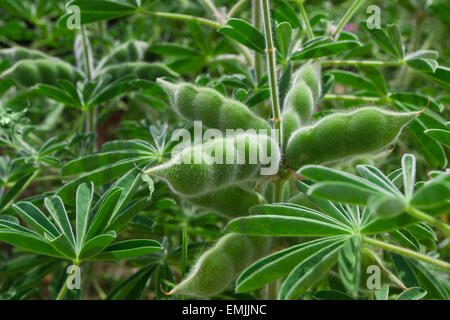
(92, 11)
(376, 77)
(58, 212)
(341, 192)
(104, 213)
(409, 174)
(35, 218)
(309, 271)
(332, 295)
(441, 75)
(128, 249)
(83, 206)
(396, 39)
(271, 225)
(412, 294)
(441, 136)
(325, 50)
(287, 209)
(100, 176)
(28, 242)
(433, 193)
(429, 280)
(349, 262)
(15, 190)
(134, 287)
(244, 33)
(383, 293)
(282, 12)
(418, 100)
(382, 39)
(130, 51)
(353, 80)
(279, 264)
(284, 34)
(96, 244)
(375, 176)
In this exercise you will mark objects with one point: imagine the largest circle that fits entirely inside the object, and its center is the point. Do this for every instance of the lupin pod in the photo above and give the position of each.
(219, 266)
(219, 163)
(230, 202)
(212, 108)
(343, 135)
(27, 73)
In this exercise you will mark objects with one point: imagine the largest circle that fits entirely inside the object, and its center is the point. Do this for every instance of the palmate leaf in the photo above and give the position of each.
(280, 264)
(83, 200)
(309, 271)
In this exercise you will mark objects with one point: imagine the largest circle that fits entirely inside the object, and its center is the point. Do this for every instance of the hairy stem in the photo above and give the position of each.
(258, 59)
(271, 68)
(406, 252)
(425, 217)
(183, 17)
(236, 8)
(65, 287)
(184, 248)
(305, 19)
(350, 12)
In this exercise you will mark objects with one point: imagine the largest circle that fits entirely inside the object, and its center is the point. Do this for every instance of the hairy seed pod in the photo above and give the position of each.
(291, 122)
(219, 163)
(300, 99)
(28, 73)
(230, 202)
(142, 70)
(20, 53)
(311, 75)
(209, 106)
(343, 135)
(130, 51)
(218, 267)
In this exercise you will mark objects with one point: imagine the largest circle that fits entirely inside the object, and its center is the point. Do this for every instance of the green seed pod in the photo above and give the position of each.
(310, 73)
(130, 51)
(28, 73)
(20, 53)
(142, 70)
(218, 267)
(300, 99)
(343, 135)
(209, 106)
(232, 201)
(291, 122)
(219, 163)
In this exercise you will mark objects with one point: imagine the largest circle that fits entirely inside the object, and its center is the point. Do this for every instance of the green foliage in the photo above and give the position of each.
(300, 206)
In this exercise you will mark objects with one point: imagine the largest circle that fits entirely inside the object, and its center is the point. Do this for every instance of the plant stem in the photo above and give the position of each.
(425, 217)
(345, 97)
(258, 59)
(406, 252)
(91, 112)
(305, 19)
(184, 248)
(350, 12)
(64, 288)
(271, 67)
(362, 63)
(184, 17)
(236, 7)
